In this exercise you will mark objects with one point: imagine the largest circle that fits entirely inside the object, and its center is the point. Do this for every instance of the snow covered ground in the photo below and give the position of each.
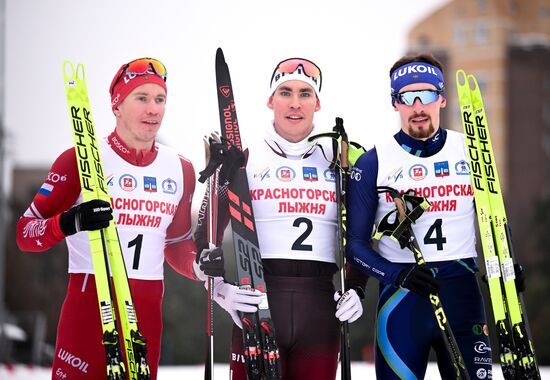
(360, 370)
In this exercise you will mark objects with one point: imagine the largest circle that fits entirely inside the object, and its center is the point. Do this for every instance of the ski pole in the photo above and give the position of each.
(401, 231)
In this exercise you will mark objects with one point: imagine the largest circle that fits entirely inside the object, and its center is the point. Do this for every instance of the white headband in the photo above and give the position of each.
(299, 74)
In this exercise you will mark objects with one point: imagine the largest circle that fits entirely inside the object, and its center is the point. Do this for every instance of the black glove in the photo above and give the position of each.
(230, 158)
(232, 161)
(210, 262)
(419, 279)
(87, 216)
(521, 277)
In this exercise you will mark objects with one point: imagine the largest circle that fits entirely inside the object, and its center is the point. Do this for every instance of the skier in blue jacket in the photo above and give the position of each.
(432, 161)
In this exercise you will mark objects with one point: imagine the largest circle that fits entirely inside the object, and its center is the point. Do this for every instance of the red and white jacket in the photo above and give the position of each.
(151, 193)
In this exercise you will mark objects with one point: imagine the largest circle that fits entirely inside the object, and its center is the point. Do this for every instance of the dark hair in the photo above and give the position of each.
(422, 57)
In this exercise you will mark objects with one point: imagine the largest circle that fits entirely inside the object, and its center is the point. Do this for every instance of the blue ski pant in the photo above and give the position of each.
(406, 331)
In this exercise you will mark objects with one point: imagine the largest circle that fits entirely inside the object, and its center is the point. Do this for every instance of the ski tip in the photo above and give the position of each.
(68, 70)
(460, 77)
(219, 54)
(473, 82)
(73, 73)
(80, 72)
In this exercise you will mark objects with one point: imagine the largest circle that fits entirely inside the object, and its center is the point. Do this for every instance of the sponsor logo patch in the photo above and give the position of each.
(481, 347)
(285, 174)
(150, 184)
(441, 168)
(263, 174)
(418, 172)
(127, 182)
(329, 175)
(396, 175)
(310, 174)
(462, 168)
(169, 186)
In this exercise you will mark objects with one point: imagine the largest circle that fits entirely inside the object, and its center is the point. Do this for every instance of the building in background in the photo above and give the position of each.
(506, 45)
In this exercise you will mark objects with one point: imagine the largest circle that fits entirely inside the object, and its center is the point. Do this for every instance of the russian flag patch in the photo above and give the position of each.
(45, 189)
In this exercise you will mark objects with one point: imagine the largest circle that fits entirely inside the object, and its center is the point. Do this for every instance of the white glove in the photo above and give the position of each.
(232, 299)
(348, 306)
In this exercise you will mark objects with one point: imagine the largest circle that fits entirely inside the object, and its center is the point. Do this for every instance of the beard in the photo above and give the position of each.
(421, 133)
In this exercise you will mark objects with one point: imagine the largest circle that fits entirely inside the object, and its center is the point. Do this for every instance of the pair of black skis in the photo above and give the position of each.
(260, 348)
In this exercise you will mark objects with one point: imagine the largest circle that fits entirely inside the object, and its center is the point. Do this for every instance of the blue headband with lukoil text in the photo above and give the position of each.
(416, 72)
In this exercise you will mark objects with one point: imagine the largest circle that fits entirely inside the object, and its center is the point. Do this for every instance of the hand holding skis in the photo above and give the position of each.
(209, 262)
(223, 153)
(87, 216)
(233, 299)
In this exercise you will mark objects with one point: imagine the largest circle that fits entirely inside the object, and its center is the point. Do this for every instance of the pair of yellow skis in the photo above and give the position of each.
(104, 244)
(516, 352)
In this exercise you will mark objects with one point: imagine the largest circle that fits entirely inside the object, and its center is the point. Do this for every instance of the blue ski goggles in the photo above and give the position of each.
(409, 97)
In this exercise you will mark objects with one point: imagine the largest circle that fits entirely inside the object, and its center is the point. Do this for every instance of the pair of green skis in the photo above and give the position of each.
(104, 244)
(516, 352)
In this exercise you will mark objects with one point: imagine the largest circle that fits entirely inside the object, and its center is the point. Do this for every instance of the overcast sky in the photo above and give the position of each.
(355, 42)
